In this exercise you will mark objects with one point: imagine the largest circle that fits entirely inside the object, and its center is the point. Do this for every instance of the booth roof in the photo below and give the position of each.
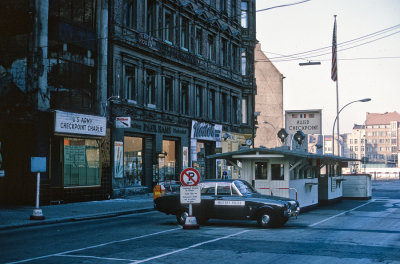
(279, 151)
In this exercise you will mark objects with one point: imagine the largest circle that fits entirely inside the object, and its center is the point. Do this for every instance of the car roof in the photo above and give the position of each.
(220, 180)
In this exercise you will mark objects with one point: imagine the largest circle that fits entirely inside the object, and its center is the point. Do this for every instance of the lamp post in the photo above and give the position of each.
(334, 122)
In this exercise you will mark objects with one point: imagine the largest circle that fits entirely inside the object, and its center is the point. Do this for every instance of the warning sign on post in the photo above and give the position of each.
(190, 177)
(190, 195)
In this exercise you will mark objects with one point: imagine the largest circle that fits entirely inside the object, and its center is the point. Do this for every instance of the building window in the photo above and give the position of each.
(235, 58)
(131, 15)
(223, 7)
(244, 111)
(199, 100)
(151, 18)
(169, 94)
(185, 98)
(168, 27)
(185, 33)
(355, 148)
(199, 41)
(235, 107)
(234, 10)
(244, 61)
(133, 160)
(277, 172)
(351, 141)
(224, 106)
(211, 47)
(211, 105)
(261, 170)
(244, 8)
(81, 162)
(224, 52)
(130, 83)
(151, 87)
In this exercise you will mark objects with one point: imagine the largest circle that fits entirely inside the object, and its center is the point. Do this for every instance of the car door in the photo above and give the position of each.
(228, 203)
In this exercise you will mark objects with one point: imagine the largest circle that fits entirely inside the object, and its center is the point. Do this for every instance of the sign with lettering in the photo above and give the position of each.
(74, 123)
(206, 131)
(123, 122)
(190, 195)
(308, 121)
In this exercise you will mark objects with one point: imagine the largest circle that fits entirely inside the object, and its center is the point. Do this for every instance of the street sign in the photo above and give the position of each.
(190, 177)
(190, 195)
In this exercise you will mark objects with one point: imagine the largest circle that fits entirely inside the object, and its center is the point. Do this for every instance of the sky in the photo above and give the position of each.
(365, 71)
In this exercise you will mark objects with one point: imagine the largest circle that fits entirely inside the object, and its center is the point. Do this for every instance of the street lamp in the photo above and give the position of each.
(334, 122)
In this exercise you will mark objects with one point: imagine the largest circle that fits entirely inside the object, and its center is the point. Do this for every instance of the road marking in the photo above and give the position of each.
(95, 246)
(190, 247)
(329, 218)
(91, 257)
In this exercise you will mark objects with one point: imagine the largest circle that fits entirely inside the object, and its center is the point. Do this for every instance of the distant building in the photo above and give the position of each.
(269, 100)
(376, 141)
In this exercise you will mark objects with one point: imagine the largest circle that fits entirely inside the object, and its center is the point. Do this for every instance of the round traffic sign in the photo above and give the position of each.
(190, 177)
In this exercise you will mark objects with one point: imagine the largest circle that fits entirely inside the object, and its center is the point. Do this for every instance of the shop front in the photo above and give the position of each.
(204, 139)
(76, 159)
(145, 154)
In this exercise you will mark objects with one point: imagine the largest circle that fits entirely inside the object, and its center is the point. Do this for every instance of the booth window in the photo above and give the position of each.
(81, 162)
(277, 172)
(261, 171)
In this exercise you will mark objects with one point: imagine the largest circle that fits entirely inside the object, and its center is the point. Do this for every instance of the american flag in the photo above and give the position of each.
(334, 58)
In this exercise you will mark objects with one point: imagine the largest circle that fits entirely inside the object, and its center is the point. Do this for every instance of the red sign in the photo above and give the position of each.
(190, 177)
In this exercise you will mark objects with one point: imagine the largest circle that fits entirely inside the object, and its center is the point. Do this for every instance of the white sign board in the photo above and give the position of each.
(123, 122)
(190, 195)
(308, 121)
(74, 123)
(206, 131)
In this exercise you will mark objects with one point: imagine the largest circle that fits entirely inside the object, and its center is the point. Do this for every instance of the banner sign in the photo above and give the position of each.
(74, 123)
(205, 131)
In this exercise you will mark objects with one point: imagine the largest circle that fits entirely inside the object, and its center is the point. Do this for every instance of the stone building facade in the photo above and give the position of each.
(182, 77)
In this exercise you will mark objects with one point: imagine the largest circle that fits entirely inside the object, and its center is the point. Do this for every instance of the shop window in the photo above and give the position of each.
(133, 160)
(261, 171)
(81, 162)
(277, 172)
(167, 162)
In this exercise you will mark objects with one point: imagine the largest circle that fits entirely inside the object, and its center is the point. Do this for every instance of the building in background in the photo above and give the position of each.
(118, 95)
(53, 79)
(269, 100)
(181, 73)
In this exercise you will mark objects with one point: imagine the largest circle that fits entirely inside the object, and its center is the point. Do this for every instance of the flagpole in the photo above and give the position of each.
(334, 77)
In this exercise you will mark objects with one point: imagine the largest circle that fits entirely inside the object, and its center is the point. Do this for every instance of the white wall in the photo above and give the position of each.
(357, 186)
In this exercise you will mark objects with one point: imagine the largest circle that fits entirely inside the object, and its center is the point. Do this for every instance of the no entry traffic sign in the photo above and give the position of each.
(190, 177)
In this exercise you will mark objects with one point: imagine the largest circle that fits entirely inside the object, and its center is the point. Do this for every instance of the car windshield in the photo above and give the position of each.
(244, 187)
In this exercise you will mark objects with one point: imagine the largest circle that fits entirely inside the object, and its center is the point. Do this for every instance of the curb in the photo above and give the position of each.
(76, 218)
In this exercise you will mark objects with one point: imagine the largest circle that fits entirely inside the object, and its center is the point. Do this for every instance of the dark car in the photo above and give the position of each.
(233, 200)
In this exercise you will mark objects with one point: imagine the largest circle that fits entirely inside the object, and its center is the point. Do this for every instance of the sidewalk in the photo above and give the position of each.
(18, 216)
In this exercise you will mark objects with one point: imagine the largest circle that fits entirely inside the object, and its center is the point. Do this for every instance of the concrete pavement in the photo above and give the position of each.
(18, 216)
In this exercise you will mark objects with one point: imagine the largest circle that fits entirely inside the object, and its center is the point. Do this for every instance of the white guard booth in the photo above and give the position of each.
(288, 173)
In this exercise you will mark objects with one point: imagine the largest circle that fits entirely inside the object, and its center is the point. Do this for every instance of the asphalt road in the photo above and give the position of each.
(347, 232)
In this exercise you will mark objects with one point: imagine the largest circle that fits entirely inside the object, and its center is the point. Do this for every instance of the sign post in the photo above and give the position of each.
(38, 165)
(190, 194)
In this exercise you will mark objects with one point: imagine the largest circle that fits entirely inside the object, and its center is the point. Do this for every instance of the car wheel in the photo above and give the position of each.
(181, 217)
(265, 219)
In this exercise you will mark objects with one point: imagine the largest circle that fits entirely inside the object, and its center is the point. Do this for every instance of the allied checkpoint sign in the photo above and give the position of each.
(308, 121)
(190, 191)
